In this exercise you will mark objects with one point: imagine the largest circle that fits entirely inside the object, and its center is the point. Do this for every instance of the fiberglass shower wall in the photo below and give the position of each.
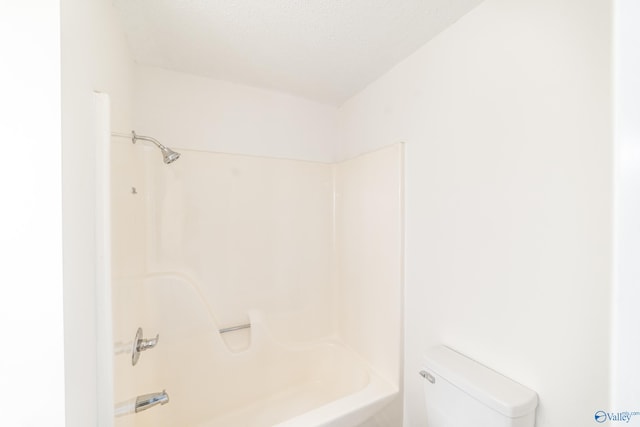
(250, 232)
(214, 236)
(128, 240)
(315, 248)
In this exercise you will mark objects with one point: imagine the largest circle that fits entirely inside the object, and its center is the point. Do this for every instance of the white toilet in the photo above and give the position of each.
(460, 392)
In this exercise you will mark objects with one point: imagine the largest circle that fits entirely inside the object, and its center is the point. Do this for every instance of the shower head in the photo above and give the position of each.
(168, 155)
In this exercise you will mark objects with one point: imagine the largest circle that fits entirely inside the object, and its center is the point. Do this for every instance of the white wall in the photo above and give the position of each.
(31, 307)
(185, 111)
(94, 58)
(626, 348)
(506, 116)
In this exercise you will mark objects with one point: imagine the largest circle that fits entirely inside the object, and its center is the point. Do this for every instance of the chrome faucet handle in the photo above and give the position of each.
(146, 344)
(140, 344)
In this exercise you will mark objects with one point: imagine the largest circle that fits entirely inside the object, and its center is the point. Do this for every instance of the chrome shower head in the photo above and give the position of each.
(168, 155)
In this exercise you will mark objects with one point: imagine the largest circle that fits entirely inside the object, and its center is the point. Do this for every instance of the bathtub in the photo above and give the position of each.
(270, 383)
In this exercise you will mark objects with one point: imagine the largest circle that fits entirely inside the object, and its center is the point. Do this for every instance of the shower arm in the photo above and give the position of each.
(168, 155)
(135, 137)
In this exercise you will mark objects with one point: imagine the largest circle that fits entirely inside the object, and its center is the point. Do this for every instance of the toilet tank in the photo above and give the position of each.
(460, 392)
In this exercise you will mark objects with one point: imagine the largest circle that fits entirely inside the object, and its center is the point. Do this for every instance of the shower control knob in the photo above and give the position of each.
(140, 344)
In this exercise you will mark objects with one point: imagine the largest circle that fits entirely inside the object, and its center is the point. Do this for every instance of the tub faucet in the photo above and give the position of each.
(147, 401)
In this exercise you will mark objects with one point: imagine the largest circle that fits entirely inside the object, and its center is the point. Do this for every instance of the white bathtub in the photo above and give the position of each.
(271, 383)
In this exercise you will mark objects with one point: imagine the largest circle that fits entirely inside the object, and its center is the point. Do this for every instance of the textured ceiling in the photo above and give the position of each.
(325, 50)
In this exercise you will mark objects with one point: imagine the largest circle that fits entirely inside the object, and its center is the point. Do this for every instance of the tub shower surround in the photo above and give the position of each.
(308, 254)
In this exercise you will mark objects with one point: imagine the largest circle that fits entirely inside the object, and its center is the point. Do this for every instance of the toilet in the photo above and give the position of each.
(460, 392)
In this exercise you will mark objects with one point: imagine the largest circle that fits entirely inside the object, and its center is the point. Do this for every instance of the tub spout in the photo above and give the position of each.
(149, 400)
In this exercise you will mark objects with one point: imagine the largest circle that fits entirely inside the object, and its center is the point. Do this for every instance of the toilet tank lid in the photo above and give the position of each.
(484, 384)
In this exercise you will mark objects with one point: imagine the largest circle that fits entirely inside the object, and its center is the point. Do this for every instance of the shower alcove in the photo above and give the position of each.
(307, 253)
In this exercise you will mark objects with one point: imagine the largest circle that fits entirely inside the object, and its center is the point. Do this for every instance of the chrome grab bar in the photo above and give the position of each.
(147, 401)
(234, 328)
